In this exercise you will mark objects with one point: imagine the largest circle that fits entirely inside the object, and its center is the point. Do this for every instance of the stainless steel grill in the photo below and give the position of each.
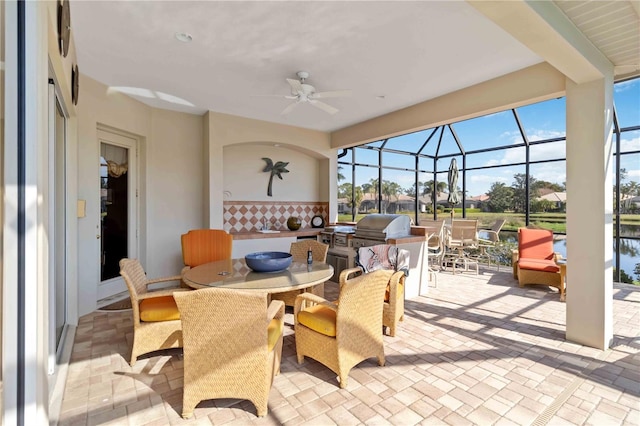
(381, 227)
(373, 229)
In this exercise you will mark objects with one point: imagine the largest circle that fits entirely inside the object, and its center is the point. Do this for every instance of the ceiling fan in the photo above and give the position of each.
(302, 92)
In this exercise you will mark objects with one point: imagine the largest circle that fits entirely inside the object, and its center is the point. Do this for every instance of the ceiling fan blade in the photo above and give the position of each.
(274, 96)
(289, 108)
(325, 107)
(296, 86)
(332, 94)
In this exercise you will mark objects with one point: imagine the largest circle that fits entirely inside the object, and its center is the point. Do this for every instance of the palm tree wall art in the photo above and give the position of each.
(276, 170)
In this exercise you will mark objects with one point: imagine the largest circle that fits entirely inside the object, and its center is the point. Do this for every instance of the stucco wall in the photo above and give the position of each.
(245, 180)
(170, 178)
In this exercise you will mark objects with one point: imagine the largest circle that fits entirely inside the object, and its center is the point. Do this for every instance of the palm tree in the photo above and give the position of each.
(428, 188)
(340, 175)
(390, 189)
(276, 170)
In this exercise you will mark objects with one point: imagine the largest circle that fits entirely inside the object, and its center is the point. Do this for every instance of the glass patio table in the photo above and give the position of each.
(235, 274)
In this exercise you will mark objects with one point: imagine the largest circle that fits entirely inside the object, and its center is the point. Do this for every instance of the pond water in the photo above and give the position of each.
(629, 250)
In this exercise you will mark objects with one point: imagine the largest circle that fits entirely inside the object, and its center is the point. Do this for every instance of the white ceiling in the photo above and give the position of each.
(241, 51)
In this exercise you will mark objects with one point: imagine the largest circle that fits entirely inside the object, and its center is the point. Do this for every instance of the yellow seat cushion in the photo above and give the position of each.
(319, 318)
(159, 309)
(273, 332)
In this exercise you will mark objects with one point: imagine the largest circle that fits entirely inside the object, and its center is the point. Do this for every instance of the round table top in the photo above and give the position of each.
(234, 273)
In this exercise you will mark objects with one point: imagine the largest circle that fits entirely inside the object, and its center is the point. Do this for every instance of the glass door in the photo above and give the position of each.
(118, 209)
(114, 207)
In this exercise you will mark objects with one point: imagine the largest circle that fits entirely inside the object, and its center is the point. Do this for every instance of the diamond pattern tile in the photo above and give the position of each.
(247, 216)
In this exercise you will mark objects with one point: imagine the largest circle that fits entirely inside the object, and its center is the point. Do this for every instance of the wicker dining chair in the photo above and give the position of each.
(299, 251)
(232, 346)
(342, 334)
(156, 320)
(393, 304)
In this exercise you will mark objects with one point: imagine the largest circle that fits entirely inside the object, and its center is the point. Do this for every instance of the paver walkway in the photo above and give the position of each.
(477, 350)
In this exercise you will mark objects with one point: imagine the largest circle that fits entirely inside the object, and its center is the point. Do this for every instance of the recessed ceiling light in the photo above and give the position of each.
(276, 145)
(184, 37)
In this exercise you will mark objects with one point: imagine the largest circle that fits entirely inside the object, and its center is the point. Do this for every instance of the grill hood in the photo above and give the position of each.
(383, 226)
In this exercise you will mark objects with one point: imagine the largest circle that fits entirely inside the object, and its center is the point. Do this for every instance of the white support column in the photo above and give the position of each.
(590, 167)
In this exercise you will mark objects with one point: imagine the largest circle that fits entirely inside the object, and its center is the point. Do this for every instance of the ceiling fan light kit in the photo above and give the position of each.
(301, 92)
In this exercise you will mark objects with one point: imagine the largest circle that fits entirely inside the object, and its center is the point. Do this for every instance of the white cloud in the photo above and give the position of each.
(541, 134)
(624, 86)
(632, 144)
(550, 172)
(633, 175)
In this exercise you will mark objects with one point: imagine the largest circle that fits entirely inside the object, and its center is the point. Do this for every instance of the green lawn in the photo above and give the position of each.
(553, 221)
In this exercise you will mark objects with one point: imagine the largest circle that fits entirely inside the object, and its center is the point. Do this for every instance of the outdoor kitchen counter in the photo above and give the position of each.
(250, 242)
(304, 232)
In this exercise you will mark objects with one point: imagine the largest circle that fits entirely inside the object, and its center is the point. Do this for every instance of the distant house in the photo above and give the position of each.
(476, 202)
(558, 198)
(630, 204)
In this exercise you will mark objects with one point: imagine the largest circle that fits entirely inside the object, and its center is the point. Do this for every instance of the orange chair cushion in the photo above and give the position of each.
(541, 265)
(319, 318)
(205, 245)
(274, 330)
(159, 309)
(535, 244)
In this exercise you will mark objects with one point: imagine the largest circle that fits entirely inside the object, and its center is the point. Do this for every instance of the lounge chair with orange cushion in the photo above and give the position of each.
(535, 261)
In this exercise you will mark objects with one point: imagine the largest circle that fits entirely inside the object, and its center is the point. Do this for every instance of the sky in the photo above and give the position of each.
(541, 121)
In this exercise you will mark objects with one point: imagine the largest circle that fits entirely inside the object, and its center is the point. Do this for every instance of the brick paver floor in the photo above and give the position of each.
(475, 350)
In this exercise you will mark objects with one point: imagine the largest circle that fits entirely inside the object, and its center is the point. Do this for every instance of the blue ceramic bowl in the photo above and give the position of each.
(268, 261)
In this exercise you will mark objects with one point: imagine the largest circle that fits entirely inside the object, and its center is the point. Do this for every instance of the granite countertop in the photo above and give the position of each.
(252, 235)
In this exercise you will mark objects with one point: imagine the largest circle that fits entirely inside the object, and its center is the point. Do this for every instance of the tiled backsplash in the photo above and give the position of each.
(245, 216)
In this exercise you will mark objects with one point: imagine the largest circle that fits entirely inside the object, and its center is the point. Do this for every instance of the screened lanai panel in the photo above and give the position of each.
(446, 141)
(344, 174)
(544, 120)
(432, 142)
(395, 184)
(480, 182)
(347, 157)
(548, 151)
(630, 196)
(499, 129)
(411, 142)
(626, 98)
(366, 156)
(513, 155)
(443, 166)
(547, 205)
(367, 180)
(426, 164)
(403, 161)
(630, 140)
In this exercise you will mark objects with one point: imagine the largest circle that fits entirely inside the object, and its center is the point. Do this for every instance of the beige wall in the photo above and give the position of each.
(246, 181)
(170, 179)
(223, 130)
(174, 187)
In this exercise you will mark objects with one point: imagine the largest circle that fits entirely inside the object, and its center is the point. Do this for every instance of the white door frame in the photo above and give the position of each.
(113, 137)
